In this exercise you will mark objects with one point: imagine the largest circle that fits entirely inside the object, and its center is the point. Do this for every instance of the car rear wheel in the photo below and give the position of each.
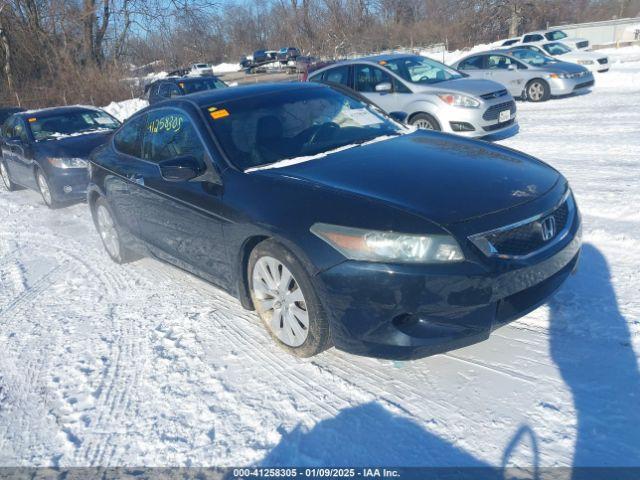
(286, 302)
(424, 121)
(538, 91)
(6, 180)
(45, 189)
(109, 232)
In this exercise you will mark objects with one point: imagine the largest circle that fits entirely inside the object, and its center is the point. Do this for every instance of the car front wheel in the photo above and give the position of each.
(538, 91)
(424, 121)
(45, 189)
(286, 302)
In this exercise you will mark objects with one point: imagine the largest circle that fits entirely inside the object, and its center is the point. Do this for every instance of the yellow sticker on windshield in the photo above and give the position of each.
(382, 62)
(218, 114)
(32, 119)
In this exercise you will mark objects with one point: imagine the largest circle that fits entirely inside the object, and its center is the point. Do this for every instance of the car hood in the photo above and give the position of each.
(581, 55)
(79, 146)
(470, 86)
(443, 178)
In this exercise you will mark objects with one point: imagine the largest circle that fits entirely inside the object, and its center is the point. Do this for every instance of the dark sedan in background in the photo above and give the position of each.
(171, 87)
(47, 150)
(337, 224)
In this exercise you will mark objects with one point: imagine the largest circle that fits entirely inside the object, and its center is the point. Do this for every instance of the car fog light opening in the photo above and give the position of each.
(461, 127)
(379, 246)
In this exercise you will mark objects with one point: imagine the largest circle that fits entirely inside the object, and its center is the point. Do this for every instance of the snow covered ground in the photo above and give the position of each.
(146, 365)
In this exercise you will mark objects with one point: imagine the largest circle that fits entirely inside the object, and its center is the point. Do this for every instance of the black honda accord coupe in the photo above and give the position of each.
(338, 225)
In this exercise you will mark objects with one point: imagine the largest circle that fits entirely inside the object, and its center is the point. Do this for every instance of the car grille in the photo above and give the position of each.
(497, 126)
(584, 85)
(584, 44)
(602, 61)
(526, 238)
(493, 112)
(492, 95)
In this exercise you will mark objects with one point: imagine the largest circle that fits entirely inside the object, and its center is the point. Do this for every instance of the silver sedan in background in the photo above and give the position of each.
(527, 74)
(430, 94)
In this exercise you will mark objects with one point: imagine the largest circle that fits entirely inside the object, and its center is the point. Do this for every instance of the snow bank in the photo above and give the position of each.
(225, 68)
(126, 108)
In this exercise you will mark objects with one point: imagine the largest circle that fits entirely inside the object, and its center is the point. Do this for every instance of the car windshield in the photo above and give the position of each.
(533, 58)
(556, 48)
(193, 86)
(261, 130)
(556, 35)
(70, 124)
(421, 70)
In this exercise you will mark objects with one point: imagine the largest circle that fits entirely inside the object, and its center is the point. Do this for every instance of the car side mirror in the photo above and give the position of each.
(512, 66)
(398, 116)
(181, 169)
(384, 87)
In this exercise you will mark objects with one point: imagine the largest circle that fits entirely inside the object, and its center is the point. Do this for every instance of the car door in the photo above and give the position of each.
(20, 164)
(505, 70)
(473, 66)
(124, 166)
(181, 221)
(368, 77)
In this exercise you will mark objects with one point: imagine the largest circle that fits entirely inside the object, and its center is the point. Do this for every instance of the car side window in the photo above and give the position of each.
(532, 38)
(20, 131)
(368, 76)
(338, 75)
(128, 140)
(170, 133)
(472, 63)
(7, 128)
(169, 90)
(499, 62)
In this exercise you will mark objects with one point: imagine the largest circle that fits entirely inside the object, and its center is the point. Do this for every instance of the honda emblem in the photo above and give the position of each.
(548, 228)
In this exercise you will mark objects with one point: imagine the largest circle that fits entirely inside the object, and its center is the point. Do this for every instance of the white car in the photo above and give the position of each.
(200, 70)
(555, 36)
(591, 60)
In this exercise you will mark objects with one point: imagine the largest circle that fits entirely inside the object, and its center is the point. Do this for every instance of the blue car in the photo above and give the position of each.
(337, 224)
(47, 150)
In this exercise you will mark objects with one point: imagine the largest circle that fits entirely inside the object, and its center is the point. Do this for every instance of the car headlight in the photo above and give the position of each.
(68, 162)
(458, 100)
(379, 246)
(585, 62)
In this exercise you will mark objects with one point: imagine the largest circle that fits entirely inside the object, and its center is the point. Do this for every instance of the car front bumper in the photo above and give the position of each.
(484, 120)
(69, 184)
(567, 86)
(412, 311)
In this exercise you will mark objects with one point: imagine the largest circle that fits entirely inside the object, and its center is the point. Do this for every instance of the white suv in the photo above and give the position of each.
(555, 36)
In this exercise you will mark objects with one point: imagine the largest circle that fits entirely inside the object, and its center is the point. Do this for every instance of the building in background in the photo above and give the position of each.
(608, 32)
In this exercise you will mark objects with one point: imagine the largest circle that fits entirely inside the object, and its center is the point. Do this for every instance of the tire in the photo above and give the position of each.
(424, 121)
(6, 181)
(45, 189)
(110, 232)
(537, 91)
(301, 326)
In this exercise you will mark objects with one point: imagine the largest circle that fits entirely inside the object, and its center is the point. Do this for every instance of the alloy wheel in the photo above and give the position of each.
(424, 124)
(536, 91)
(107, 231)
(280, 301)
(44, 189)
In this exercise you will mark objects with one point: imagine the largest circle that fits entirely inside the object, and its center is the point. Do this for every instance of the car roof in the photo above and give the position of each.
(58, 110)
(207, 98)
(385, 57)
